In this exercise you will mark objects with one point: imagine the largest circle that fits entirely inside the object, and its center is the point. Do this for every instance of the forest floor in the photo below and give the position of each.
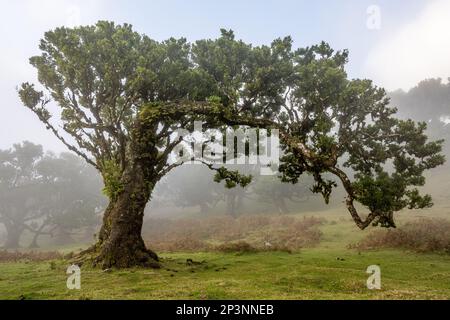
(328, 271)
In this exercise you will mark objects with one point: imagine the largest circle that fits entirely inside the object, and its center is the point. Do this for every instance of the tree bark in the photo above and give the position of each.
(120, 242)
(105, 229)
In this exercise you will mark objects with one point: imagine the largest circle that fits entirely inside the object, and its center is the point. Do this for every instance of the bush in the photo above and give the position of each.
(423, 235)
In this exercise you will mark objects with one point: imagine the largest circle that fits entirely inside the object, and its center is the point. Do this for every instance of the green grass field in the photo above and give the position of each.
(329, 271)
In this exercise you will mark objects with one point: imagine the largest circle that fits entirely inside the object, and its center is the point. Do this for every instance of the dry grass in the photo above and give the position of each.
(260, 232)
(240, 246)
(245, 247)
(422, 235)
(17, 256)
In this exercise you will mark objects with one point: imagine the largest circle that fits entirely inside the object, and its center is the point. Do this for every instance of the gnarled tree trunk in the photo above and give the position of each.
(120, 241)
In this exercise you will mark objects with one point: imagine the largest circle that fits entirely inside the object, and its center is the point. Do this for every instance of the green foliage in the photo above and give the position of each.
(323, 186)
(35, 101)
(232, 178)
(112, 178)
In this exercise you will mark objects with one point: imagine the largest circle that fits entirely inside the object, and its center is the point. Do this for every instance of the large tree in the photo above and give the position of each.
(122, 95)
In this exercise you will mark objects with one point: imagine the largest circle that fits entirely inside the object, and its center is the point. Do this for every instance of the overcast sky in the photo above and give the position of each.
(396, 43)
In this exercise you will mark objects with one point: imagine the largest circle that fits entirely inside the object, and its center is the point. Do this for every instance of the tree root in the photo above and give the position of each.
(120, 257)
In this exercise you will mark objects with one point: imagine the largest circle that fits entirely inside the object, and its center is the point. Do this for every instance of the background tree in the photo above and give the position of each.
(19, 189)
(272, 191)
(70, 198)
(44, 194)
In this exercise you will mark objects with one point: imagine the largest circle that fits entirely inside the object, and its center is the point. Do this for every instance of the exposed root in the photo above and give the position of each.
(121, 257)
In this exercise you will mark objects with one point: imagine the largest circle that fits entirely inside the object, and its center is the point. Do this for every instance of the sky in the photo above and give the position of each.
(396, 43)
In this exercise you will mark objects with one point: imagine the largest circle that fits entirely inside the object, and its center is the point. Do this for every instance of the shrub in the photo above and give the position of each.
(423, 235)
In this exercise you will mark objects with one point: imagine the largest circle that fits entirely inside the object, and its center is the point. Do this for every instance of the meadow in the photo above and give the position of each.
(333, 268)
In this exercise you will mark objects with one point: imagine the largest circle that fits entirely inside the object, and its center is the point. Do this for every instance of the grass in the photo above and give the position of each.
(310, 274)
(328, 271)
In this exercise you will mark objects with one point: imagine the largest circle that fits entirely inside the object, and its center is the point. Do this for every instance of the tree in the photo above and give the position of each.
(194, 186)
(272, 191)
(43, 193)
(69, 190)
(428, 102)
(19, 189)
(191, 187)
(122, 96)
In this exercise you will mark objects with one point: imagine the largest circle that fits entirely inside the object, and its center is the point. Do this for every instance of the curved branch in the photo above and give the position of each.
(362, 224)
(61, 138)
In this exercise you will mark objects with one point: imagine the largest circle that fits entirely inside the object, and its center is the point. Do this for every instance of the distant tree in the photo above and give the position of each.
(71, 197)
(194, 186)
(19, 189)
(429, 101)
(191, 186)
(234, 200)
(45, 194)
(272, 191)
